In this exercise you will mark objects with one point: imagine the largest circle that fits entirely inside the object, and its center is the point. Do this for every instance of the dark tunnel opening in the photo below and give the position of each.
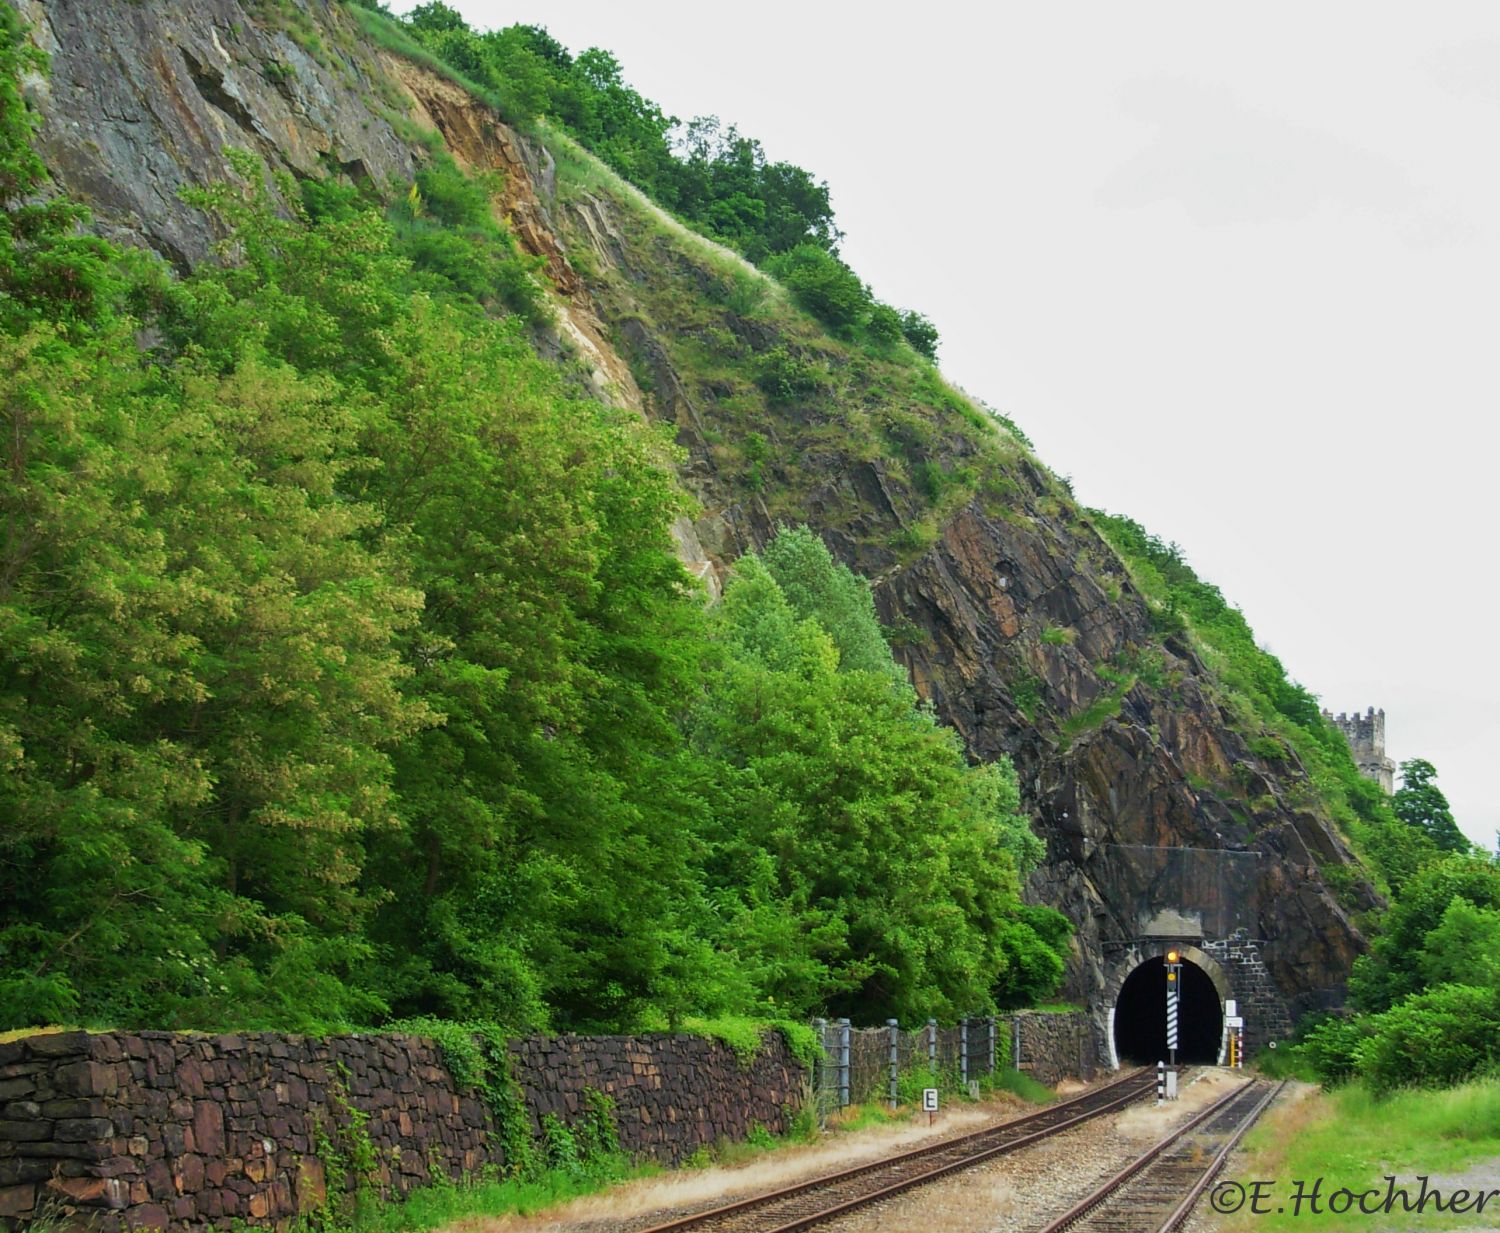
(1141, 1016)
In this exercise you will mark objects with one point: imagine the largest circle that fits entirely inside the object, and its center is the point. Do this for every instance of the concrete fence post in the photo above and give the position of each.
(963, 1051)
(895, 1033)
(932, 1044)
(820, 1066)
(843, 1063)
(1015, 1042)
(992, 1044)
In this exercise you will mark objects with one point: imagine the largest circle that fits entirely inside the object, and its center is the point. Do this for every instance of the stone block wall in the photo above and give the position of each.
(155, 1129)
(673, 1093)
(1054, 1047)
(167, 1130)
(1265, 1012)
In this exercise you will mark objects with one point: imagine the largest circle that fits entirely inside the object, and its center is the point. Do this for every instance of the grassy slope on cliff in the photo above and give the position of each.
(786, 404)
(1265, 700)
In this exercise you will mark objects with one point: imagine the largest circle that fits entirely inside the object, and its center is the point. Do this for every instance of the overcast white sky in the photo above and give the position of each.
(1236, 270)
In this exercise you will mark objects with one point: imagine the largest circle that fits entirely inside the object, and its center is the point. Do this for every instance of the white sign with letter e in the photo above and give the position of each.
(929, 1099)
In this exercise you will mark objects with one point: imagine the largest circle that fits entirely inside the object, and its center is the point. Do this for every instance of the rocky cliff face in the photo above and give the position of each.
(1013, 615)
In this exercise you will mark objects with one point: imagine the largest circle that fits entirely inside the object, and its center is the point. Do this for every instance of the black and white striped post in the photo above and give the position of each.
(1174, 983)
(963, 1051)
(1161, 1083)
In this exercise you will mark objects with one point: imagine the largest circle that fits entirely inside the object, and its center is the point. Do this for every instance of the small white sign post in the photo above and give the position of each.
(929, 1102)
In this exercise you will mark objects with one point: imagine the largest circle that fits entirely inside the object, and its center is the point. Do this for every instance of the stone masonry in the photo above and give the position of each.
(169, 1130)
(1053, 1047)
(1262, 1007)
(1366, 736)
(673, 1093)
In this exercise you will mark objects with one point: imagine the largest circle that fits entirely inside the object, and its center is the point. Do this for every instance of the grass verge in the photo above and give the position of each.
(1350, 1139)
(437, 1206)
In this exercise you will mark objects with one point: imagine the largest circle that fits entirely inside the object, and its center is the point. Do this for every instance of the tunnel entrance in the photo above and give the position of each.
(1141, 1016)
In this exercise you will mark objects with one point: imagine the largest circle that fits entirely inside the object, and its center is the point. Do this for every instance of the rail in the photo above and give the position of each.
(1158, 1189)
(822, 1198)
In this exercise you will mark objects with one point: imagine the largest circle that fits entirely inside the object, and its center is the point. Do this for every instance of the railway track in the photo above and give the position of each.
(1157, 1191)
(822, 1198)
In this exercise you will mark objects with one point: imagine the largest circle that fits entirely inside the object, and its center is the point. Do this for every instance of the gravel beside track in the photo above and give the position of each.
(1020, 1193)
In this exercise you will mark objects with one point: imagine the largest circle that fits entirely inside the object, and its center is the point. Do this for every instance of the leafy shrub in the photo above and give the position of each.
(884, 326)
(742, 292)
(446, 227)
(824, 286)
(756, 449)
(920, 333)
(1332, 1048)
(788, 378)
(1268, 748)
(1033, 943)
(1433, 1039)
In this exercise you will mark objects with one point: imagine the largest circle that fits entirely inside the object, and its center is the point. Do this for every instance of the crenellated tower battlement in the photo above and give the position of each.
(1366, 736)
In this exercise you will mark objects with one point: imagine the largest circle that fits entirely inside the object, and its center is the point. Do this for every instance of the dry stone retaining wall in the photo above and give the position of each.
(673, 1093)
(170, 1130)
(1054, 1047)
(161, 1129)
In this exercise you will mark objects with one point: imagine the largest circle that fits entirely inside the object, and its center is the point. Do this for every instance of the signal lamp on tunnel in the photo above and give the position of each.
(1173, 956)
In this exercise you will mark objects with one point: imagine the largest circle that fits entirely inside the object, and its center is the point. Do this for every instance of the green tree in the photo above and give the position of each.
(1464, 948)
(199, 673)
(920, 333)
(883, 868)
(1420, 803)
(544, 870)
(1393, 968)
(1033, 943)
(818, 587)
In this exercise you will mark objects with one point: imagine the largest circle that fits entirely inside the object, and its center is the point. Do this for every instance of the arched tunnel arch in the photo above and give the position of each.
(1140, 1018)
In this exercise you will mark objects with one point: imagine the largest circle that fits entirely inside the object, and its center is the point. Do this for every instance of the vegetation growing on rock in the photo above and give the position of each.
(347, 670)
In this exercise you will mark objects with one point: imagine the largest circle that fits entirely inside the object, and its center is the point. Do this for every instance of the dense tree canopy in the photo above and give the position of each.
(1428, 993)
(347, 670)
(1419, 940)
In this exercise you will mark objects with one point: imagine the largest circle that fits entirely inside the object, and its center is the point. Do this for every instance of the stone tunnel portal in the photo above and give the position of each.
(1140, 1018)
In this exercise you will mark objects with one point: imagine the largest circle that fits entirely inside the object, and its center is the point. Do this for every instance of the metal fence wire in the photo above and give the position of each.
(864, 1064)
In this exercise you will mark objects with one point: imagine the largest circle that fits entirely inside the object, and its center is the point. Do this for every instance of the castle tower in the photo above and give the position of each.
(1366, 736)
